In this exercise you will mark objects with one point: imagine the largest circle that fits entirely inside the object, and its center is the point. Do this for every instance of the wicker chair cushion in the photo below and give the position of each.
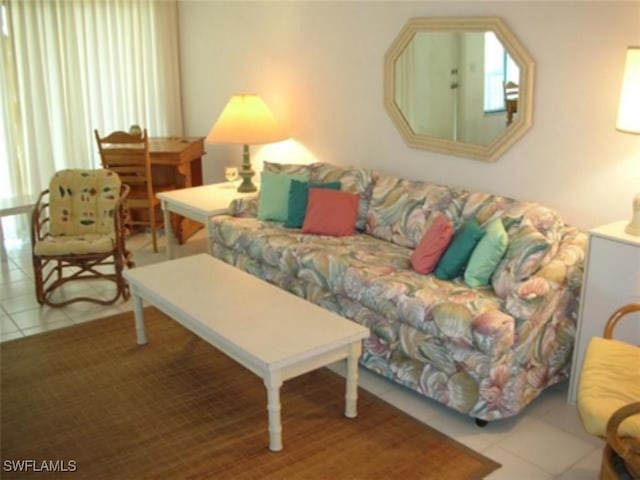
(75, 244)
(609, 380)
(83, 202)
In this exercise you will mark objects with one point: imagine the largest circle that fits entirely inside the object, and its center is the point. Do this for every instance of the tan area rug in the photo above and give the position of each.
(89, 398)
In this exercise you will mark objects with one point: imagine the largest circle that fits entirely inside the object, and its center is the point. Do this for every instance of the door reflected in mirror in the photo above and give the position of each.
(455, 85)
(452, 85)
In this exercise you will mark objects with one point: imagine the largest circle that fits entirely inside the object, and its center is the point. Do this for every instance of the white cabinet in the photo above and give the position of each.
(611, 279)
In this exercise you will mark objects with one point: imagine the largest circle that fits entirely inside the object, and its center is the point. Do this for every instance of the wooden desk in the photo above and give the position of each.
(177, 162)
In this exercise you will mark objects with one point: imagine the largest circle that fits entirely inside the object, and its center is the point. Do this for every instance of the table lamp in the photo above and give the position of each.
(246, 120)
(629, 117)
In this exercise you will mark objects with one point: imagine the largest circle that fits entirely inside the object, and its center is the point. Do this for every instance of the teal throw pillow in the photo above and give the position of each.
(298, 198)
(273, 202)
(487, 255)
(453, 261)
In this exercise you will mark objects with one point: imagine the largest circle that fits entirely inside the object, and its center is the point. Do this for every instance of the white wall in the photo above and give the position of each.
(319, 66)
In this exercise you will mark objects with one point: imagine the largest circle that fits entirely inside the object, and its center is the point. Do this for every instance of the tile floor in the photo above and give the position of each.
(545, 442)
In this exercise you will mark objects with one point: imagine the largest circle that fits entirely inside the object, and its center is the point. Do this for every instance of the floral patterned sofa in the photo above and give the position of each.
(486, 352)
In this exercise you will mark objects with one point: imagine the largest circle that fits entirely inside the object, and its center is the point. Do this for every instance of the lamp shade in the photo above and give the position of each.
(629, 109)
(246, 120)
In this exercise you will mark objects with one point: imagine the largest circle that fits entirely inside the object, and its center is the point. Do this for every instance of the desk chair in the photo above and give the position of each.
(128, 156)
(77, 229)
(511, 94)
(609, 399)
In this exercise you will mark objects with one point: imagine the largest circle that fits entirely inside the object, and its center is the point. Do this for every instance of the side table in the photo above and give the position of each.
(197, 203)
(611, 279)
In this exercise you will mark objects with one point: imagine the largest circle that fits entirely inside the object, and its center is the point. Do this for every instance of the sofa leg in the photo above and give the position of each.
(481, 423)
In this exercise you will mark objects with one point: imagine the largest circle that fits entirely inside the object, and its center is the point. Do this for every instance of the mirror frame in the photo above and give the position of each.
(511, 134)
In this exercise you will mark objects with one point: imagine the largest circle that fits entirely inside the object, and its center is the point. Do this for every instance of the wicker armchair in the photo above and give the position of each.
(609, 399)
(77, 229)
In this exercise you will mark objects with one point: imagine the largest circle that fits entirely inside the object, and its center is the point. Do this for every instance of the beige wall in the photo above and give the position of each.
(318, 65)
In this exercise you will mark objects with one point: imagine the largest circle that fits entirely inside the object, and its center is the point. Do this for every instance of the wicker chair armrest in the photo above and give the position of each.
(627, 448)
(37, 218)
(617, 315)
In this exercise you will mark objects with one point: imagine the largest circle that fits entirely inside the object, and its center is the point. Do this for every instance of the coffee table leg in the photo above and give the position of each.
(351, 398)
(141, 331)
(273, 383)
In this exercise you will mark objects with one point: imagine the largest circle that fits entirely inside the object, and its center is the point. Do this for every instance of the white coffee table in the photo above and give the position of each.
(197, 203)
(22, 204)
(271, 332)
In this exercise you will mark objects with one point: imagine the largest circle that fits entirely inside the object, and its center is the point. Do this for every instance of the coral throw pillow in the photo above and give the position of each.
(298, 198)
(331, 212)
(432, 245)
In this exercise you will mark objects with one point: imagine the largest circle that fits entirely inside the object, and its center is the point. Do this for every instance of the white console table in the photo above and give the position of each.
(197, 203)
(19, 205)
(611, 279)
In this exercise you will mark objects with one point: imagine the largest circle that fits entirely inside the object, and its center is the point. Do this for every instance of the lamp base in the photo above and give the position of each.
(246, 172)
(634, 225)
(247, 185)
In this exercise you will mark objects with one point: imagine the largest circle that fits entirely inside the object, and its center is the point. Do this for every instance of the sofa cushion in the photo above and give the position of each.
(288, 168)
(298, 199)
(432, 245)
(485, 207)
(78, 244)
(263, 241)
(273, 202)
(352, 179)
(452, 263)
(331, 212)
(401, 210)
(376, 274)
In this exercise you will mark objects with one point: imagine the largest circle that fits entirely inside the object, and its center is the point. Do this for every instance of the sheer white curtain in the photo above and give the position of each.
(69, 66)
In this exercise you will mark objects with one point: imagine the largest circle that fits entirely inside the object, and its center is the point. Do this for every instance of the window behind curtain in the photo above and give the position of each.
(71, 66)
(499, 68)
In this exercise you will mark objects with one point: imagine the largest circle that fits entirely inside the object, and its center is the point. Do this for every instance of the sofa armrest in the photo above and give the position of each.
(546, 303)
(567, 264)
(244, 207)
(564, 268)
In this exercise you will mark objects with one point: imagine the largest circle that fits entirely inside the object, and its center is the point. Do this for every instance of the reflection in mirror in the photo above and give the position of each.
(452, 85)
(462, 86)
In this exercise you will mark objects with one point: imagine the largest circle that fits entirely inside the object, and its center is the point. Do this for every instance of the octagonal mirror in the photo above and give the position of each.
(462, 86)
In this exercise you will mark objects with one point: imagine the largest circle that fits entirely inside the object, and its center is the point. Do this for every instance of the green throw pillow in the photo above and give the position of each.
(298, 197)
(487, 255)
(273, 203)
(455, 258)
